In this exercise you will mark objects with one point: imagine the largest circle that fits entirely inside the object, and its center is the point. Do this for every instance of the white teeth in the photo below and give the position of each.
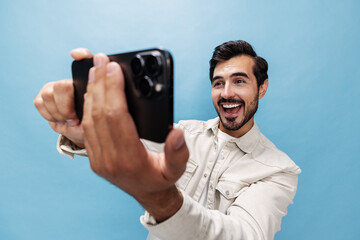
(231, 105)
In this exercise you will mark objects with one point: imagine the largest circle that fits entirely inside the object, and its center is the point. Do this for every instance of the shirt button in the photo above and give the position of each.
(205, 175)
(211, 187)
(222, 157)
(227, 192)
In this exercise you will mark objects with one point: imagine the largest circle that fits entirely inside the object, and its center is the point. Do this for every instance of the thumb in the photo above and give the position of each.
(176, 155)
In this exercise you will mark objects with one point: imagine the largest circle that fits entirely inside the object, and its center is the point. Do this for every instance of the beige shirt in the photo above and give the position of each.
(250, 185)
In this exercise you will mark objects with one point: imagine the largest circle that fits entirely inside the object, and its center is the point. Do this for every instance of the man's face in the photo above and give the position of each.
(235, 94)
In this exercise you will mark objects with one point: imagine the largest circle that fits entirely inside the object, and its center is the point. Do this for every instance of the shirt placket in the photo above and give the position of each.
(206, 174)
(215, 175)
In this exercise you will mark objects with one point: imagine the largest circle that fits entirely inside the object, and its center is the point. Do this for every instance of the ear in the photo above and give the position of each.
(263, 88)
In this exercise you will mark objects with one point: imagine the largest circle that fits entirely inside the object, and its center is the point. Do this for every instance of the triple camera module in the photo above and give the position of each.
(146, 69)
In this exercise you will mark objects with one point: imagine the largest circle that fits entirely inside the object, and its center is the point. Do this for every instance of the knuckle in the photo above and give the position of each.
(86, 123)
(38, 102)
(111, 113)
(63, 86)
(47, 94)
(67, 112)
(48, 85)
(96, 113)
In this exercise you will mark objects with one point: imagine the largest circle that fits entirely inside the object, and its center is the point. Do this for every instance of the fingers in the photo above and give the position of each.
(107, 124)
(55, 102)
(96, 131)
(64, 99)
(90, 137)
(81, 53)
(97, 91)
(115, 151)
(176, 155)
(40, 104)
(101, 129)
(115, 86)
(116, 109)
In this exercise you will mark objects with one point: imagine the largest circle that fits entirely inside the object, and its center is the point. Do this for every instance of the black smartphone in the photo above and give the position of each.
(148, 87)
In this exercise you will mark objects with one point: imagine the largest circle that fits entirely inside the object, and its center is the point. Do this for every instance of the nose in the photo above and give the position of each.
(228, 91)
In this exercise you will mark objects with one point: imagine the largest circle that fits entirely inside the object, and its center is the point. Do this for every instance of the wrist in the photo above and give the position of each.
(162, 205)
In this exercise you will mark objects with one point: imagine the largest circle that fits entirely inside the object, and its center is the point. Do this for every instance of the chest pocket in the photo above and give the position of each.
(184, 180)
(227, 192)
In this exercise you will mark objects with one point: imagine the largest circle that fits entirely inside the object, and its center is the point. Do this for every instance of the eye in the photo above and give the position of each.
(217, 83)
(239, 81)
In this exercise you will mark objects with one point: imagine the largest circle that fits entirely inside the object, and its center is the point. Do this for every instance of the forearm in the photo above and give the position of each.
(162, 205)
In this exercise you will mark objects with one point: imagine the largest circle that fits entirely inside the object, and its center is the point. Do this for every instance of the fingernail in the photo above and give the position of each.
(92, 74)
(179, 142)
(72, 122)
(98, 60)
(110, 68)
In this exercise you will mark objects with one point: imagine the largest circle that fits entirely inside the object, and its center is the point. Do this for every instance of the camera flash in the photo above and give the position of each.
(158, 87)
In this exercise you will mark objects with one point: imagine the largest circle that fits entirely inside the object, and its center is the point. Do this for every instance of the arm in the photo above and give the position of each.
(116, 152)
(109, 135)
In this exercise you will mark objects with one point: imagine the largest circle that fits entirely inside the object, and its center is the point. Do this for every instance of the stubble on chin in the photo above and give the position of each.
(230, 124)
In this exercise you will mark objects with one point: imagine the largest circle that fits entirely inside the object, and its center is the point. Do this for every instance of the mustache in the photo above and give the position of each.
(230, 100)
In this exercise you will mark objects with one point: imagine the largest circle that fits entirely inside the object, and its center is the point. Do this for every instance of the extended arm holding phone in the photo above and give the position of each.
(116, 152)
(110, 137)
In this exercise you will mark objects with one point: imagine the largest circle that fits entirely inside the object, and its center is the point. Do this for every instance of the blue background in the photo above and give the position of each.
(310, 110)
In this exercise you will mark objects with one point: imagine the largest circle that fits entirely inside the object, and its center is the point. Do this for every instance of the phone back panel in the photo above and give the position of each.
(148, 87)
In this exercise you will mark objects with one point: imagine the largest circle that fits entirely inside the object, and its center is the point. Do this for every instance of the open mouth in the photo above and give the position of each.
(231, 109)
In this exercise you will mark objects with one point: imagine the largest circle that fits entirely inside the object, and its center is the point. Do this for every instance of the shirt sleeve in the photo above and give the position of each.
(255, 214)
(68, 148)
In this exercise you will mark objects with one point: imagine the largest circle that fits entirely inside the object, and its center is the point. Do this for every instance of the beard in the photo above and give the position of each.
(249, 111)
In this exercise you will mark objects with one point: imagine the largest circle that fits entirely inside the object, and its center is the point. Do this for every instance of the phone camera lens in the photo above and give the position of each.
(137, 65)
(153, 65)
(146, 87)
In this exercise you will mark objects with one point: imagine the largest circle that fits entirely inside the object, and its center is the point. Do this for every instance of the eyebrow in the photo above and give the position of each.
(236, 74)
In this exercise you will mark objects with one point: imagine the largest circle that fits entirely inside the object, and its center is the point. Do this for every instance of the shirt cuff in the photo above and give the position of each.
(174, 226)
(68, 148)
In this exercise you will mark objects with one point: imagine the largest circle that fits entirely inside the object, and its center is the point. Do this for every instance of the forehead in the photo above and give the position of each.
(243, 63)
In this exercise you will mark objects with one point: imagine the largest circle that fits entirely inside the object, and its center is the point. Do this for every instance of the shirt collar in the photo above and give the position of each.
(246, 143)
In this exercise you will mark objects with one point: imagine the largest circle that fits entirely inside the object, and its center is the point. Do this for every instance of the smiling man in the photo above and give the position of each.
(218, 179)
(235, 88)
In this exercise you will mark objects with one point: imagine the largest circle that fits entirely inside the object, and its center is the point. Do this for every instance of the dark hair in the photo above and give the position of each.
(232, 49)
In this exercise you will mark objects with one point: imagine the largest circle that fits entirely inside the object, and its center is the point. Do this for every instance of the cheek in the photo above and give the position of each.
(248, 95)
(214, 96)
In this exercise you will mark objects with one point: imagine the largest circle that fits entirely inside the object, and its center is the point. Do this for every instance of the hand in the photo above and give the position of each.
(55, 102)
(115, 151)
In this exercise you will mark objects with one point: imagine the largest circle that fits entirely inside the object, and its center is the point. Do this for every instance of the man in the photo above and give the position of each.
(219, 179)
